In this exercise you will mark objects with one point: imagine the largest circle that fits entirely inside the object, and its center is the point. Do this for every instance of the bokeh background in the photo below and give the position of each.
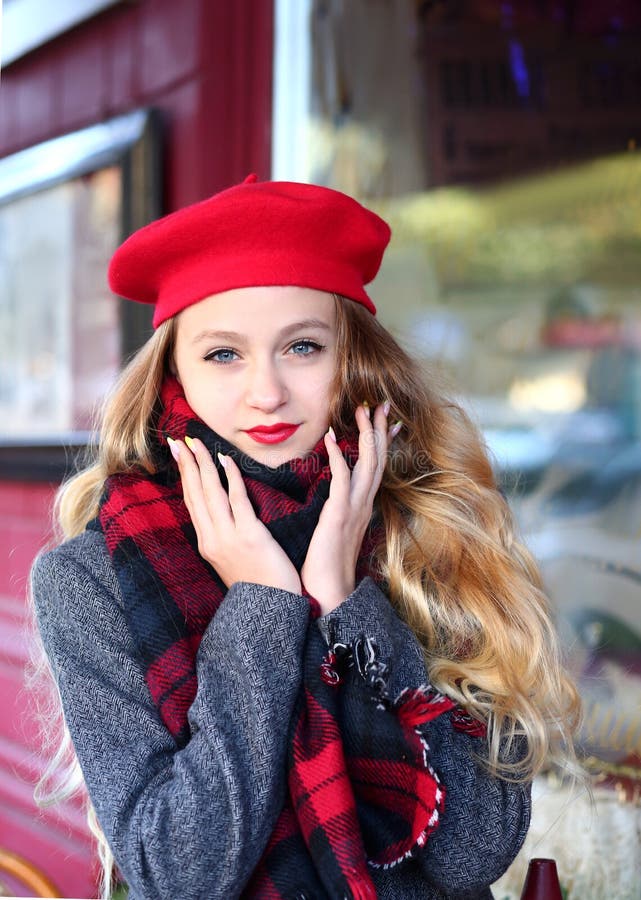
(501, 141)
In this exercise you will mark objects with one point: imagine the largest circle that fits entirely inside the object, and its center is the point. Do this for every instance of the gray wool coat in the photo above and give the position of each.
(193, 823)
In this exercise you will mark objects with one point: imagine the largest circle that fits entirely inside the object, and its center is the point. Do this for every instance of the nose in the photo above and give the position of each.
(266, 389)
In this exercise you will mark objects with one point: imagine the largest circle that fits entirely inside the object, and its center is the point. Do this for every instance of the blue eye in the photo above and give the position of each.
(224, 355)
(305, 348)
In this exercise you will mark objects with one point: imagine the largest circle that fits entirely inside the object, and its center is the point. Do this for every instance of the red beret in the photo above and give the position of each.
(253, 234)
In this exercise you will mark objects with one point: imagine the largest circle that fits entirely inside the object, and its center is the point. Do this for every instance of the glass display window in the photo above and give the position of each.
(65, 205)
(501, 141)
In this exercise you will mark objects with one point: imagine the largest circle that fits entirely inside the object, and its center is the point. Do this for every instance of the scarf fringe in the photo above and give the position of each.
(416, 706)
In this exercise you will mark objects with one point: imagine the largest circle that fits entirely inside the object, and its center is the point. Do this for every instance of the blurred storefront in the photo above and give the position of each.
(501, 142)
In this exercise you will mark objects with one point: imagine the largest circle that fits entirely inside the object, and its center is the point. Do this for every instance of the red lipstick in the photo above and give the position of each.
(272, 434)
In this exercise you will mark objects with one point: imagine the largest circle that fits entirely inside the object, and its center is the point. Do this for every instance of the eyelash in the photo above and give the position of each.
(211, 357)
(306, 342)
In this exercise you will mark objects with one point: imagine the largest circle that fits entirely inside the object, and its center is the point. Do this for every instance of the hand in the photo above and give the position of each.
(329, 570)
(230, 536)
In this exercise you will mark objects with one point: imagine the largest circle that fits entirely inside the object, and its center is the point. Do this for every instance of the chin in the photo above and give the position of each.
(276, 454)
(273, 457)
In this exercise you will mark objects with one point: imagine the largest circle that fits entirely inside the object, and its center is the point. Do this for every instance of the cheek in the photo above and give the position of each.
(318, 396)
(217, 409)
(197, 389)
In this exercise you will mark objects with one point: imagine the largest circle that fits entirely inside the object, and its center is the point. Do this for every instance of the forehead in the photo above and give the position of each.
(258, 309)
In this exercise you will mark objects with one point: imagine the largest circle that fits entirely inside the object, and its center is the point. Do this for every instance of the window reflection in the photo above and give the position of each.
(59, 328)
(501, 142)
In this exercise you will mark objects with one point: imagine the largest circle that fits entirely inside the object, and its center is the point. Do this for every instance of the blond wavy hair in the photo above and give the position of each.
(455, 569)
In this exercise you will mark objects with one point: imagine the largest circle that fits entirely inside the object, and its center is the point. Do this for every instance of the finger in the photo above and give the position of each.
(384, 437)
(394, 430)
(340, 481)
(366, 433)
(373, 447)
(193, 494)
(212, 488)
(239, 502)
(367, 463)
(381, 431)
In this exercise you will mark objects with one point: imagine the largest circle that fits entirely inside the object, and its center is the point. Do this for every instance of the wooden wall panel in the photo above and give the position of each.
(152, 53)
(57, 841)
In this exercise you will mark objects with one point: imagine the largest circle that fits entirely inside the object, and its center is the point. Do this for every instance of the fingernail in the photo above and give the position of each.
(386, 407)
(396, 427)
(222, 460)
(174, 446)
(330, 432)
(365, 406)
(190, 443)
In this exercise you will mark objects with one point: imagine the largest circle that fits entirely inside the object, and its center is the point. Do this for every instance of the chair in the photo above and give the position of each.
(24, 874)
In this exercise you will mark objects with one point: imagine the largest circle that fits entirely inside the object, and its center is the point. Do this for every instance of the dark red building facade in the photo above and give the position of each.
(205, 69)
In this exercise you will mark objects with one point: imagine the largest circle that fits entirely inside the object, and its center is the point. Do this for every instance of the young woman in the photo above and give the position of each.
(300, 651)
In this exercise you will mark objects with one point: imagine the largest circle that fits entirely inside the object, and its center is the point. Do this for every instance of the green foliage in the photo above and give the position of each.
(580, 223)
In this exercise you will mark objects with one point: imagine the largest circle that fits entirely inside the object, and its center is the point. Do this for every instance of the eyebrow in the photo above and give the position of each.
(235, 336)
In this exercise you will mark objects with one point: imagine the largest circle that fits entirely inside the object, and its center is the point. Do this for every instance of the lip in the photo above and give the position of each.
(272, 434)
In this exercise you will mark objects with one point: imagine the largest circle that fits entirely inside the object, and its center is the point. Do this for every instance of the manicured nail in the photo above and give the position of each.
(190, 443)
(396, 427)
(174, 446)
(386, 407)
(365, 406)
(330, 432)
(222, 460)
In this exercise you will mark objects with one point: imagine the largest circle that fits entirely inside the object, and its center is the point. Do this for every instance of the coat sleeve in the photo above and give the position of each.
(191, 822)
(485, 819)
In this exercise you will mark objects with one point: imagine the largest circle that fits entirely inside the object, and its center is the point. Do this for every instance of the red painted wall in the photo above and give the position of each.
(206, 65)
(24, 523)
(56, 841)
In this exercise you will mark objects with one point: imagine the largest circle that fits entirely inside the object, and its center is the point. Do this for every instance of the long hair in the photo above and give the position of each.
(127, 420)
(125, 443)
(454, 568)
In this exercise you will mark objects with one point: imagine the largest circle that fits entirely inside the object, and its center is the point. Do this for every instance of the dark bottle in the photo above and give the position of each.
(542, 882)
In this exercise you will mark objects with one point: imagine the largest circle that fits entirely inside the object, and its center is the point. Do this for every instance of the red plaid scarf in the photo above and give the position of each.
(347, 806)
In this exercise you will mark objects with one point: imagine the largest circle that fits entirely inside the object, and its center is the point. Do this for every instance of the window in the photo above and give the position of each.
(64, 207)
(500, 140)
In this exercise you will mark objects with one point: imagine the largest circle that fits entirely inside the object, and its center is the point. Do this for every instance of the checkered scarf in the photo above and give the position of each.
(361, 790)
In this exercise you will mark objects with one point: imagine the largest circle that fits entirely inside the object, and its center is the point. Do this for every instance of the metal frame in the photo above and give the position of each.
(291, 94)
(133, 142)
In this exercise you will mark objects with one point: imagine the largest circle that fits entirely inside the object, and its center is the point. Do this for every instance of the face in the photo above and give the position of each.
(256, 365)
